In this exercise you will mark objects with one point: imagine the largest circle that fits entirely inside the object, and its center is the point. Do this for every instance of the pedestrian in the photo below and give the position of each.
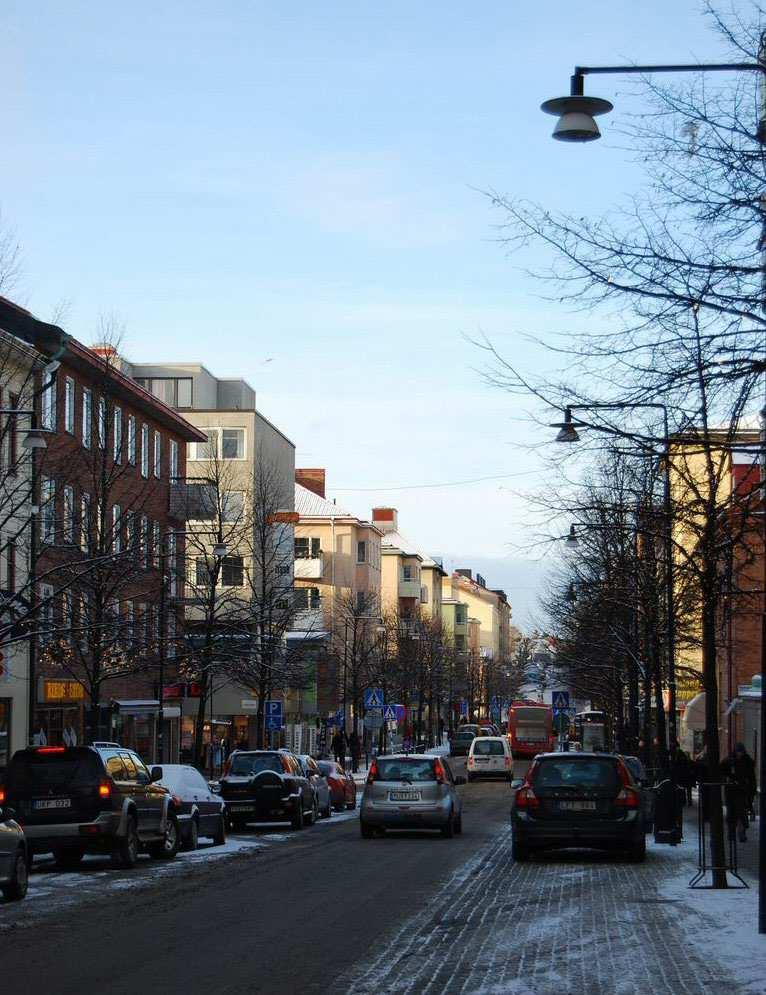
(338, 745)
(738, 769)
(683, 770)
(355, 749)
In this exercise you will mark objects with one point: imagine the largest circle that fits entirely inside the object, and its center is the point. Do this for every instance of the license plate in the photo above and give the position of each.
(404, 796)
(578, 806)
(52, 803)
(480, 760)
(240, 808)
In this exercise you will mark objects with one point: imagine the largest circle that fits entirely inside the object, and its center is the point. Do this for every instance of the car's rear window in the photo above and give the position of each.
(406, 770)
(488, 748)
(52, 771)
(243, 764)
(570, 773)
(466, 735)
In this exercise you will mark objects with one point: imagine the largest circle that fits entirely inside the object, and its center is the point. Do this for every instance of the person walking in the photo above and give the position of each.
(738, 769)
(339, 747)
(355, 750)
(683, 769)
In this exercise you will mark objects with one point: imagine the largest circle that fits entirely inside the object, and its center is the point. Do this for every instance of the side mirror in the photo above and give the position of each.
(7, 813)
(516, 783)
(155, 774)
(459, 779)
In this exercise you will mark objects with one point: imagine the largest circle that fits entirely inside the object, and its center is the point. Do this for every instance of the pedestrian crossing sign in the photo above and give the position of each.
(374, 698)
(560, 700)
(390, 713)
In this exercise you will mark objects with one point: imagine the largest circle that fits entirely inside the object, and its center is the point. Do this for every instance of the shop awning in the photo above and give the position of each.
(137, 706)
(694, 715)
(310, 636)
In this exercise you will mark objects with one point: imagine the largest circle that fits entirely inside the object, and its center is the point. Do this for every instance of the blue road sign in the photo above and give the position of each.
(273, 714)
(560, 701)
(463, 707)
(340, 718)
(390, 713)
(374, 698)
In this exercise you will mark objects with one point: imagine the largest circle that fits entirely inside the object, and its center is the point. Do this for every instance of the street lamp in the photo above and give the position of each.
(567, 432)
(572, 541)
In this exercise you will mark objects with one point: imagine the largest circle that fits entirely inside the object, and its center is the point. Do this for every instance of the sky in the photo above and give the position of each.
(297, 195)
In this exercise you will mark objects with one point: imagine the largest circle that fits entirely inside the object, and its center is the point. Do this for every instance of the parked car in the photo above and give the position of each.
(319, 783)
(88, 799)
(578, 800)
(490, 756)
(638, 772)
(267, 786)
(14, 855)
(342, 785)
(411, 792)
(461, 741)
(199, 811)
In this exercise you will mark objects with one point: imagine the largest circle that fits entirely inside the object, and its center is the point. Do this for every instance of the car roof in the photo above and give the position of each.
(409, 756)
(488, 739)
(578, 755)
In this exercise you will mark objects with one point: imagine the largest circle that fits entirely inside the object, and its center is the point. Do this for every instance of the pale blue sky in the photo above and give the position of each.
(290, 193)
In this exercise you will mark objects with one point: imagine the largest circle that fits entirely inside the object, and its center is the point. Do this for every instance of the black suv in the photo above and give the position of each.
(267, 786)
(90, 799)
(578, 800)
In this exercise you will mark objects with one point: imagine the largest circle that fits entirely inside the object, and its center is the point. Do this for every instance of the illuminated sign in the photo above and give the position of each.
(63, 691)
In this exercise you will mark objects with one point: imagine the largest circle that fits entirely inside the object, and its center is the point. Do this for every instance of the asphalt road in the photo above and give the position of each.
(301, 916)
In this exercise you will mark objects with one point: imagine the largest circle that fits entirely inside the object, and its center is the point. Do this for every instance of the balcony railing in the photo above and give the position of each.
(409, 589)
(310, 568)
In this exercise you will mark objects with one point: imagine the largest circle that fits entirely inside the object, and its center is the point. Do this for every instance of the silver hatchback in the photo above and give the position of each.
(411, 792)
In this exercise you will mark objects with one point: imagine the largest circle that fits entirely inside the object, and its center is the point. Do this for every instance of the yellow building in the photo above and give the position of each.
(411, 581)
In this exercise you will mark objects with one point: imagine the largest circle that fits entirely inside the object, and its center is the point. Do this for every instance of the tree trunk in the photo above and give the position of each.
(710, 678)
(199, 722)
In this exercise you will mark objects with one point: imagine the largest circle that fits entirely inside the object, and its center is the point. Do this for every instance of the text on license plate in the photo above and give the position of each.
(240, 808)
(405, 796)
(578, 806)
(53, 803)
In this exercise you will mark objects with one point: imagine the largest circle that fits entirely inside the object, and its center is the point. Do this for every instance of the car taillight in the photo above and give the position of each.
(105, 790)
(526, 798)
(51, 749)
(2, 795)
(373, 773)
(628, 798)
(439, 771)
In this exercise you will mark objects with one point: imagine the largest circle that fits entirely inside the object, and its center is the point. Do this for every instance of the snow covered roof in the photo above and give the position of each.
(396, 542)
(311, 505)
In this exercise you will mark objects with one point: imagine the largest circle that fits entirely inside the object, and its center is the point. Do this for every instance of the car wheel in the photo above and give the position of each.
(469, 778)
(459, 825)
(367, 830)
(219, 836)
(68, 858)
(637, 853)
(312, 817)
(192, 842)
(340, 806)
(352, 804)
(297, 820)
(17, 887)
(125, 853)
(519, 852)
(168, 848)
(448, 829)
(328, 809)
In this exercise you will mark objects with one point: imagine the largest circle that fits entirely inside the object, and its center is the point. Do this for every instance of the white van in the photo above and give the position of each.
(490, 756)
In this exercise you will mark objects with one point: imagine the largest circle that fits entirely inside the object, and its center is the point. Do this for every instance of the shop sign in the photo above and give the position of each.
(63, 691)
(249, 705)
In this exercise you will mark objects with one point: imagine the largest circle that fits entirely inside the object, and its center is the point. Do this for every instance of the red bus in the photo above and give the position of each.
(530, 728)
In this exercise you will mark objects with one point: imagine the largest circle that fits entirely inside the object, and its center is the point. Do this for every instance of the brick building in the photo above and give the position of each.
(106, 525)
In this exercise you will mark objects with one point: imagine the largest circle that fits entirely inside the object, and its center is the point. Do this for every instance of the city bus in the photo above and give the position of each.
(590, 729)
(530, 728)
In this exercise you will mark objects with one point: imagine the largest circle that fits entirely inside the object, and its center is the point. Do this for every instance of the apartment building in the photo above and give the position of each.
(337, 578)
(250, 455)
(411, 580)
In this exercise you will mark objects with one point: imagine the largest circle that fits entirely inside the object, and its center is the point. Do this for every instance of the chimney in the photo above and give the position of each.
(386, 519)
(312, 479)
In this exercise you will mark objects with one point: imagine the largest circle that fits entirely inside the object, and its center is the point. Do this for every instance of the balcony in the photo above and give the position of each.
(310, 568)
(409, 589)
(308, 620)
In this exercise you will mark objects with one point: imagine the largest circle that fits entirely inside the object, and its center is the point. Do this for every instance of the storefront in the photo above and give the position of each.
(60, 713)
(134, 724)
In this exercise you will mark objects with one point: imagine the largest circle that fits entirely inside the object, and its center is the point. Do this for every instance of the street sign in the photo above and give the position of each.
(374, 698)
(273, 714)
(464, 707)
(560, 700)
(389, 713)
(373, 720)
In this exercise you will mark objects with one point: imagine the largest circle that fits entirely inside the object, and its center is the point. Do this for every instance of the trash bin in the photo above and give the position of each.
(668, 813)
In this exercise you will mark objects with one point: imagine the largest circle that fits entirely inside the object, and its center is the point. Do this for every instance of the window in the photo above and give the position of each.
(48, 509)
(205, 450)
(201, 572)
(45, 626)
(66, 615)
(232, 506)
(306, 597)
(87, 417)
(157, 455)
(361, 601)
(460, 643)
(131, 440)
(232, 571)
(13, 440)
(174, 391)
(102, 421)
(130, 530)
(143, 540)
(144, 450)
(233, 445)
(85, 521)
(69, 405)
(68, 516)
(306, 549)
(48, 404)
(116, 528)
(157, 542)
(361, 552)
(170, 645)
(118, 435)
(130, 623)
(11, 564)
(171, 566)
(173, 459)
(406, 572)
(283, 569)
(461, 614)
(115, 767)
(423, 595)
